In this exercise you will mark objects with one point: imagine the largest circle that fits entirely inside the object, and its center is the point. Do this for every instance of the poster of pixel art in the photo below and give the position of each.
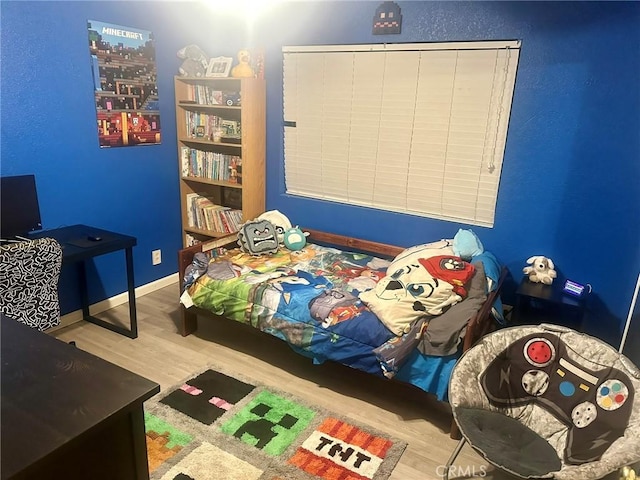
(126, 94)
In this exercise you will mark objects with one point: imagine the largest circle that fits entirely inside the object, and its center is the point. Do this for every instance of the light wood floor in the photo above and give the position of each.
(163, 355)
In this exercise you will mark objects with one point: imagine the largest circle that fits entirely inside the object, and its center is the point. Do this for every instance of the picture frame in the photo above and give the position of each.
(219, 67)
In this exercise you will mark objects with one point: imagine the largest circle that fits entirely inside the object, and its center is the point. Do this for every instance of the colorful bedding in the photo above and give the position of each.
(310, 299)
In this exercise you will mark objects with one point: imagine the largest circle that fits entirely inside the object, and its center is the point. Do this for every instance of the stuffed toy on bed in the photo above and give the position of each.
(295, 239)
(258, 237)
(279, 220)
(419, 283)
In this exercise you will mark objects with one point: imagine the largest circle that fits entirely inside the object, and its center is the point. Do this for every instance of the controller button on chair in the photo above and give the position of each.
(535, 382)
(583, 414)
(539, 352)
(567, 389)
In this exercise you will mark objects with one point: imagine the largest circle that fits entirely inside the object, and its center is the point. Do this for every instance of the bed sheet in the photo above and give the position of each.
(309, 299)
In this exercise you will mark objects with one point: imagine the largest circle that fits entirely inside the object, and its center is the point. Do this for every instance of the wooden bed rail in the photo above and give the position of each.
(356, 244)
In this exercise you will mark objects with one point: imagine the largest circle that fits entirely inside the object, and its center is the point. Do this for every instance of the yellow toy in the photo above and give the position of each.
(627, 473)
(243, 69)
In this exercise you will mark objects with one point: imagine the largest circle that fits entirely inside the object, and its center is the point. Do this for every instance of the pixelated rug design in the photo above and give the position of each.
(215, 426)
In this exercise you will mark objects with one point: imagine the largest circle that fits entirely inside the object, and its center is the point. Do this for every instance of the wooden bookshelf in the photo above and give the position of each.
(215, 161)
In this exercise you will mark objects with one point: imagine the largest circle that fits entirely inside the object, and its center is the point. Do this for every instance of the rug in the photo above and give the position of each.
(215, 426)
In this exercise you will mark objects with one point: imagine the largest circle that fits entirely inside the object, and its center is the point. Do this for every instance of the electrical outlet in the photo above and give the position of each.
(156, 257)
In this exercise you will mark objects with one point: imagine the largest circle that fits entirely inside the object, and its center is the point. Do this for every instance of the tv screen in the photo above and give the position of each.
(19, 207)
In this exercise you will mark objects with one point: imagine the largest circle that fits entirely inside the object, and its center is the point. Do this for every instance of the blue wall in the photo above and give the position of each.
(48, 127)
(569, 186)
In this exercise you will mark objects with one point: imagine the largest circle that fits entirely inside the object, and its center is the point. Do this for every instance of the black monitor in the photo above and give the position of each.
(19, 207)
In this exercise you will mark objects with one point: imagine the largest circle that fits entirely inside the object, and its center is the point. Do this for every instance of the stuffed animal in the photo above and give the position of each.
(279, 221)
(243, 69)
(295, 239)
(540, 270)
(195, 61)
(258, 237)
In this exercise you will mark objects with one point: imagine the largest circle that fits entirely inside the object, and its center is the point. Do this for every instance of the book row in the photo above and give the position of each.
(202, 213)
(206, 95)
(211, 127)
(211, 165)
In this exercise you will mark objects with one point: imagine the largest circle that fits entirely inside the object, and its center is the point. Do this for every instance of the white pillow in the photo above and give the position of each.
(421, 281)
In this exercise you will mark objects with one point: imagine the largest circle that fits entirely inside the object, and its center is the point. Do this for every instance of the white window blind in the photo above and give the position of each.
(413, 128)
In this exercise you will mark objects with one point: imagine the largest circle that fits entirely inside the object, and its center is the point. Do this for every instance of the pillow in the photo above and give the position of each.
(280, 222)
(466, 244)
(416, 286)
(258, 237)
(444, 333)
(441, 247)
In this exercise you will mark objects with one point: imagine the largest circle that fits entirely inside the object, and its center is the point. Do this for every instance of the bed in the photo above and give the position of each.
(323, 302)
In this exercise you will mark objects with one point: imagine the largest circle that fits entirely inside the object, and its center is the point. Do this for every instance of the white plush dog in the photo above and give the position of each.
(541, 270)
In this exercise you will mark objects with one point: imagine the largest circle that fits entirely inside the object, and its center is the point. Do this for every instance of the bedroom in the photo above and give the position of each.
(569, 181)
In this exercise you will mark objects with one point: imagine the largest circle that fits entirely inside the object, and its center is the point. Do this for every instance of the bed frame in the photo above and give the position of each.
(481, 324)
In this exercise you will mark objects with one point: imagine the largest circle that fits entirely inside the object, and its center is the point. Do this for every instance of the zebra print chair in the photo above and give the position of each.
(29, 274)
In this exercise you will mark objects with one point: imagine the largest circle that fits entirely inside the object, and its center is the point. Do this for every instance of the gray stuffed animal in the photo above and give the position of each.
(195, 61)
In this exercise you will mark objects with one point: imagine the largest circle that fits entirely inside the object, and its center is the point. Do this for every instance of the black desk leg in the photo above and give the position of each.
(133, 317)
(84, 295)
(132, 332)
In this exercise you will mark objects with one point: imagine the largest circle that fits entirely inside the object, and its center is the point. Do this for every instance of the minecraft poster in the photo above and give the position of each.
(123, 61)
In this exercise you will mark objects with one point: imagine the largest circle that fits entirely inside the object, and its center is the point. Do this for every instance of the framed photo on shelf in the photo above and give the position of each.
(219, 67)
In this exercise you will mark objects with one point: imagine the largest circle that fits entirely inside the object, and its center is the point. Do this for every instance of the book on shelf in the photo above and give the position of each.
(208, 126)
(210, 165)
(191, 240)
(205, 95)
(204, 214)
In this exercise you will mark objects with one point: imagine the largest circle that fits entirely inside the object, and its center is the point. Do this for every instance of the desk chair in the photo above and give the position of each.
(29, 275)
(547, 402)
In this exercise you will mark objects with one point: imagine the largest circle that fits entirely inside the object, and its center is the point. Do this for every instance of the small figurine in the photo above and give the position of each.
(243, 69)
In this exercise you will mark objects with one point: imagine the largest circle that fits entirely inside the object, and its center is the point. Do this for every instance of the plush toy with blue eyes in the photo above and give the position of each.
(295, 239)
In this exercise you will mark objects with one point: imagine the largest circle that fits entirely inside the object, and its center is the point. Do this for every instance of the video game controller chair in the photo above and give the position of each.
(547, 402)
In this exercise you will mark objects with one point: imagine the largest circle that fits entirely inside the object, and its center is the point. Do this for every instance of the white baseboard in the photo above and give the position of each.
(76, 316)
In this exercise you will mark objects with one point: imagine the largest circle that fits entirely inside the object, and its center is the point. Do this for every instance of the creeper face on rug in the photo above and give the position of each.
(262, 428)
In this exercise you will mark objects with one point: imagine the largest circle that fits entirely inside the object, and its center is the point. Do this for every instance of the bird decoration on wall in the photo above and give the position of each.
(388, 19)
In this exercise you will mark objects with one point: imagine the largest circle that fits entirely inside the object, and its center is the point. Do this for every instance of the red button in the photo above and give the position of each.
(539, 352)
(620, 398)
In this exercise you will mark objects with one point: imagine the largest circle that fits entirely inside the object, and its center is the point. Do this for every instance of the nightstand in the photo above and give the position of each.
(539, 303)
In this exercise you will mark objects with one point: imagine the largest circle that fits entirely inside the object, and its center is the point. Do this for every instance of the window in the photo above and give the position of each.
(413, 128)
